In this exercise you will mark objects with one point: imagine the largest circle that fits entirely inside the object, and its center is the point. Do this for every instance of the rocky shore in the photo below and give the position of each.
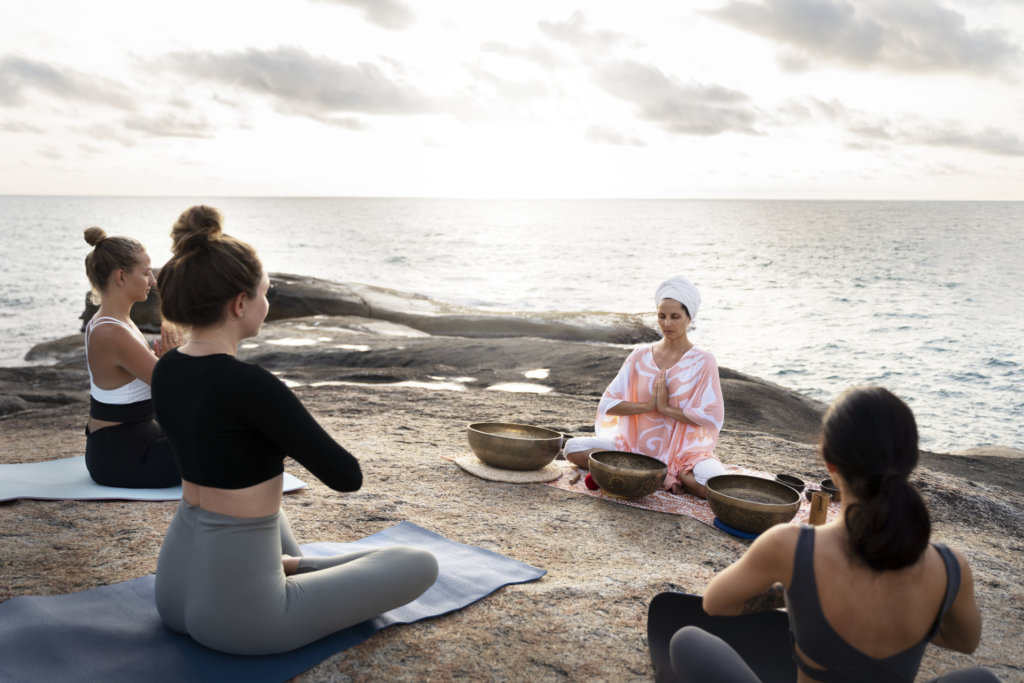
(396, 379)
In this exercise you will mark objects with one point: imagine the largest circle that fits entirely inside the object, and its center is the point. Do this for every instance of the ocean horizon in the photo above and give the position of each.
(815, 295)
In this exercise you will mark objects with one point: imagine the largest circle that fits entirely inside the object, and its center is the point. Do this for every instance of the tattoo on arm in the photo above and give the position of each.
(770, 599)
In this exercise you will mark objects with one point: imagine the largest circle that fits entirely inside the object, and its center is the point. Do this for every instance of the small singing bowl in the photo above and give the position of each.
(751, 504)
(627, 475)
(828, 486)
(792, 481)
(511, 446)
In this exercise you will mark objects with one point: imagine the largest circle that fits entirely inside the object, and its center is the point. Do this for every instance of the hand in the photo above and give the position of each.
(661, 393)
(171, 335)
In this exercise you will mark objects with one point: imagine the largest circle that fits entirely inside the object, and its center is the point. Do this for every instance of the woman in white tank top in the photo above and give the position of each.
(125, 446)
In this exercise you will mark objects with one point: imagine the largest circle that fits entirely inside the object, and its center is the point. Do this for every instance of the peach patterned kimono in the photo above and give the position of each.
(693, 387)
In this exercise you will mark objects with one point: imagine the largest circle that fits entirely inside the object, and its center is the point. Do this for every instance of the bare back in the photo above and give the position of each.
(878, 613)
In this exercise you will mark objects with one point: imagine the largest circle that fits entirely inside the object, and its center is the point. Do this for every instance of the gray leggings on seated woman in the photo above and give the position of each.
(220, 580)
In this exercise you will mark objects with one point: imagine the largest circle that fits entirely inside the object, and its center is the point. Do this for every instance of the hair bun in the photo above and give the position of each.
(95, 235)
(195, 228)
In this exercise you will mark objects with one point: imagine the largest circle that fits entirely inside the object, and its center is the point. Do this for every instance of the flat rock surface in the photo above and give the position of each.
(400, 399)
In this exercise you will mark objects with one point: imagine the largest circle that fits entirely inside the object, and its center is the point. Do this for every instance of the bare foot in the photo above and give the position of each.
(290, 564)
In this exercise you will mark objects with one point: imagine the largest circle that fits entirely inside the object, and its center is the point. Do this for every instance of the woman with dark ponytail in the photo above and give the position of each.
(866, 592)
(230, 572)
(124, 445)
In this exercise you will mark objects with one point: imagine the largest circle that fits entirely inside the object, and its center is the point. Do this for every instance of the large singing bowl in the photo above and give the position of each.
(627, 475)
(513, 446)
(751, 504)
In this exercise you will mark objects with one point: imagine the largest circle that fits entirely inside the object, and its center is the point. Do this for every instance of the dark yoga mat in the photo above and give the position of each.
(762, 639)
(113, 633)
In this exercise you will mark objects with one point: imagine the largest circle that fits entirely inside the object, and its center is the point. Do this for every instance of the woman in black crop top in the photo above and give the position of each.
(230, 573)
(865, 593)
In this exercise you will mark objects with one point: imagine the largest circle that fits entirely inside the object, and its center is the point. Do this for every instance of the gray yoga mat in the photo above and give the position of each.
(113, 633)
(68, 479)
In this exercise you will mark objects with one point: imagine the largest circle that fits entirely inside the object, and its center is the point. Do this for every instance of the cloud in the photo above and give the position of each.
(300, 83)
(908, 129)
(905, 36)
(170, 124)
(105, 131)
(9, 126)
(603, 135)
(535, 54)
(18, 74)
(575, 32)
(389, 14)
(679, 109)
(989, 140)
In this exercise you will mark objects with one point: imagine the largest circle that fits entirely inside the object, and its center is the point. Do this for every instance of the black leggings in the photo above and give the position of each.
(133, 455)
(697, 655)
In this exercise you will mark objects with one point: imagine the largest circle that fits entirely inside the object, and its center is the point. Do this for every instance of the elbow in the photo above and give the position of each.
(715, 609)
(349, 482)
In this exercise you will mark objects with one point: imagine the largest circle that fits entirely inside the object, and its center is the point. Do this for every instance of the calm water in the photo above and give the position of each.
(922, 297)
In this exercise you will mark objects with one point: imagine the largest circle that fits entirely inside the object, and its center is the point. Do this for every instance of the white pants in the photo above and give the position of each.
(702, 471)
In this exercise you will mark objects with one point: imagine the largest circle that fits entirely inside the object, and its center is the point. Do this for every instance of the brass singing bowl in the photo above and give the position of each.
(627, 475)
(751, 504)
(512, 446)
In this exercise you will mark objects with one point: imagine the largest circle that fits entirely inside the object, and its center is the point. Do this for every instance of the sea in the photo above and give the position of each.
(924, 298)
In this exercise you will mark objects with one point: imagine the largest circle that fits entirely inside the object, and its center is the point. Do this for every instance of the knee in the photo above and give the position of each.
(419, 563)
(686, 645)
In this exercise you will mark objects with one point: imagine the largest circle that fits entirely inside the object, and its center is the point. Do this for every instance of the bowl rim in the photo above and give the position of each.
(663, 466)
(763, 507)
(474, 427)
(830, 486)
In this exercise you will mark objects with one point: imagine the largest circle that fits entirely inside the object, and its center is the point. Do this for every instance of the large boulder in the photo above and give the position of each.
(295, 296)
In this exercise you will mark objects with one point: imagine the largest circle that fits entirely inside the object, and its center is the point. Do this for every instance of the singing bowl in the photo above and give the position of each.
(627, 475)
(751, 504)
(511, 446)
(792, 481)
(828, 486)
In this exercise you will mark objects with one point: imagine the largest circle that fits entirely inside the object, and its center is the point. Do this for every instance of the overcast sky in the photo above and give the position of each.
(876, 99)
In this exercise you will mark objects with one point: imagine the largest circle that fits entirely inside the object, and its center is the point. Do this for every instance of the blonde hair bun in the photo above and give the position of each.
(95, 235)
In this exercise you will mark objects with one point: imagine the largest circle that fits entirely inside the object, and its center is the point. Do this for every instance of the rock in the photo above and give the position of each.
(604, 561)
(996, 451)
(295, 296)
(11, 404)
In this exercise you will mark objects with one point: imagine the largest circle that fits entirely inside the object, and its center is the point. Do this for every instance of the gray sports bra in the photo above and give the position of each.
(818, 640)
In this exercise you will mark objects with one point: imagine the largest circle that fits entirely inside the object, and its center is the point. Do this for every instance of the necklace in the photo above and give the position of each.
(218, 345)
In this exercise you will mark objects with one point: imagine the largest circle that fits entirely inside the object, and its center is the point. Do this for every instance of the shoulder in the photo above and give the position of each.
(775, 548)
(704, 355)
(111, 333)
(958, 557)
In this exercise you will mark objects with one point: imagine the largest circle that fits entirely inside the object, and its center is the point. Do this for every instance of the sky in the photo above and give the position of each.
(803, 99)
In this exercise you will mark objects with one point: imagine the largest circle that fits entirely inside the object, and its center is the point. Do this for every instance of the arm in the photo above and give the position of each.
(705, 407)
(961, 627)
(112, 345)
(662, 405)
(630, 408)
(756, 580)
(278, 414)
(613, 401)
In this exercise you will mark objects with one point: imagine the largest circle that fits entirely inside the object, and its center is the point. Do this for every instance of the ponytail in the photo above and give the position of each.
(870, 435)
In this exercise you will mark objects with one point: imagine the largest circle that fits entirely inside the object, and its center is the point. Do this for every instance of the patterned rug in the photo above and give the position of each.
(663, 501)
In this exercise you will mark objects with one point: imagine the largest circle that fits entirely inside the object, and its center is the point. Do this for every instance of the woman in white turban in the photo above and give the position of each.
(665, 402)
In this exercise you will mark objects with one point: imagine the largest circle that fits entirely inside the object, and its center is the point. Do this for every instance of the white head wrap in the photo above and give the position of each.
(682, 290)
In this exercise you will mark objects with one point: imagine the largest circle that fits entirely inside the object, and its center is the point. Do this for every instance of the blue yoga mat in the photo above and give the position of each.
(113, 633)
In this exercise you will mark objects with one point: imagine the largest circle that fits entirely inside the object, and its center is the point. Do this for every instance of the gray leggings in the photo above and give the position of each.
(697, 655)
(220, 580)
